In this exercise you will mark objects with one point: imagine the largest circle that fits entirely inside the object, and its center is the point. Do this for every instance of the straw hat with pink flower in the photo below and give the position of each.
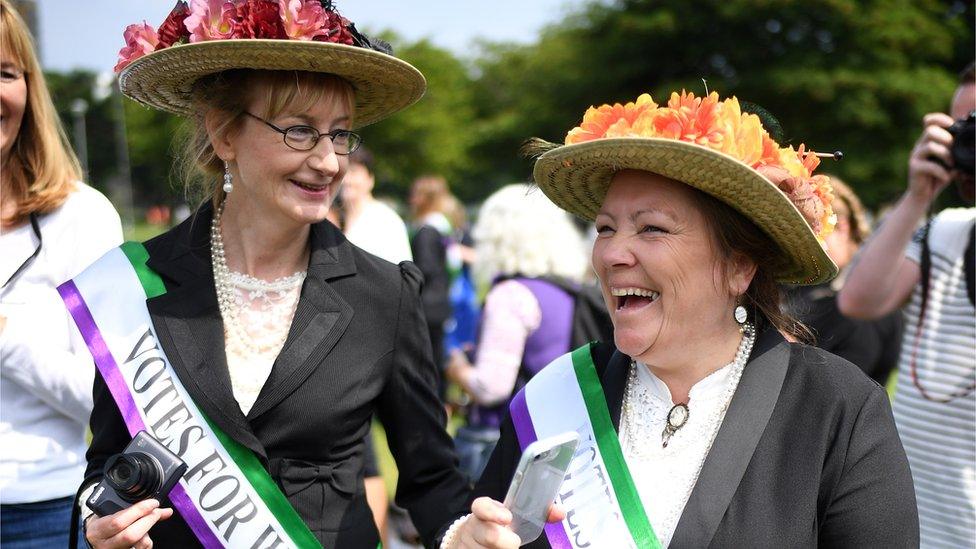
(158, 66)
(709, 144)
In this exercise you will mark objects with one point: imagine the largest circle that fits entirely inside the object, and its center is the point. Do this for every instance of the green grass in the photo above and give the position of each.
(143, 231)
(385, 461)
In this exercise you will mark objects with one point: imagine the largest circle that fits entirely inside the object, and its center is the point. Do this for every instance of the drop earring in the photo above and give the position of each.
(741, 315)
(228, 179)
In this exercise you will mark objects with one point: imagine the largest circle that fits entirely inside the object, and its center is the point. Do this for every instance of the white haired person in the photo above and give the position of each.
(532, 256)
(701, 424)
(253, 340)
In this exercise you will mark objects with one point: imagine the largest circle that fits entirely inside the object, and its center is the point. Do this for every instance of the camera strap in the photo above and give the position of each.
(108, 304)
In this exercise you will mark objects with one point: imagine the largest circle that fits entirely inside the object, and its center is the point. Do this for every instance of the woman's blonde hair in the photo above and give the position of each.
(519, 231)
(848, 205)
(42, 168)
(227, 96)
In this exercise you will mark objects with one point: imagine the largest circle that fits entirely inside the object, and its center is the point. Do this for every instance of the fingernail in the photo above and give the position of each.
(152, 503)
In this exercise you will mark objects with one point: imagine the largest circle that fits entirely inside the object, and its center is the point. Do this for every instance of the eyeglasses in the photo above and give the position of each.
(304, 138)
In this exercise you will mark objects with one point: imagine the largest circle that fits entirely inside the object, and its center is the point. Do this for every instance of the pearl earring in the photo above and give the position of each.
(740, 315)
(228, 179)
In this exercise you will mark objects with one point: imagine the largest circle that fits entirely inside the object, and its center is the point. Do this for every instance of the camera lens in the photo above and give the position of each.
(134, 476)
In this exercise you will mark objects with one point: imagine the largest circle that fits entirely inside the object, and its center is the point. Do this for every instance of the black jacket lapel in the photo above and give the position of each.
(320, 318)
(614, 382)
(189, 327)
(744, 423)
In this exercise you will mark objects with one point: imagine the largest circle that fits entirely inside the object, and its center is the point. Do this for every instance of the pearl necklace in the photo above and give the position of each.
(230, 305)
(678, 415)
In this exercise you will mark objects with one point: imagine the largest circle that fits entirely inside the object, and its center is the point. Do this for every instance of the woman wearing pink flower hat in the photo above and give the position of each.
(702, 424)
(253, 341)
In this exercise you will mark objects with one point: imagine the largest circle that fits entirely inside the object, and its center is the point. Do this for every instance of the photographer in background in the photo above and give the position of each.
(934, 405)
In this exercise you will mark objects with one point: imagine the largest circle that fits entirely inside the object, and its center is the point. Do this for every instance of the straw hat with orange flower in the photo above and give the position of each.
(712, 145)
(158, 66)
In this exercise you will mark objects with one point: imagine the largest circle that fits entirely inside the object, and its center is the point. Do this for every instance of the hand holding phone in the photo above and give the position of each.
(536, 482)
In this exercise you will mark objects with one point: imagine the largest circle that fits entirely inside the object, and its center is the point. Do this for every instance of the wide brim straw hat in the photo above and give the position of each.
(164, 79)
(576, 178)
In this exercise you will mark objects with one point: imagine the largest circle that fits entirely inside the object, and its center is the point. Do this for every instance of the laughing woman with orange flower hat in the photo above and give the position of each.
(703, 424)
(253, 341)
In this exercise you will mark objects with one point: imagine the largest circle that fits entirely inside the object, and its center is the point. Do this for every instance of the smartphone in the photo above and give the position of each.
(536, 482)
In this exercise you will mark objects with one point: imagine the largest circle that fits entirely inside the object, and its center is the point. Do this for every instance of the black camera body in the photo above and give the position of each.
(964, 144)
(145, 469)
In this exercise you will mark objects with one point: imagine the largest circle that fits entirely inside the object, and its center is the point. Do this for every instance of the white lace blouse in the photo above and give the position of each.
(664, 477)
(255, 330)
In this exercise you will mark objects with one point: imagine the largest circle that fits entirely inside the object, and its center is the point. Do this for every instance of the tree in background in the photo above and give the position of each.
(854, 75)
(430, 137)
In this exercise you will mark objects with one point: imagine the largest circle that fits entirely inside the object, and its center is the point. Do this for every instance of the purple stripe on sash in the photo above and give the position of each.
(524, 430)
(525, 433)
(103, 357)
(109, 369)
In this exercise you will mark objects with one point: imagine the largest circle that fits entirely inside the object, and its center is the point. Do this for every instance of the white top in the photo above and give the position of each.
(664, 477)
(380, 231)
(46, 371)
(939, 437)
(256, 329)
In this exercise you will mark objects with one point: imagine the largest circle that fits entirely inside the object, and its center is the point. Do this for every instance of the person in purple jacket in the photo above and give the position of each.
(529, 251)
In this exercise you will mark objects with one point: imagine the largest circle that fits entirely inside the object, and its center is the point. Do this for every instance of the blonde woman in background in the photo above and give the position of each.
(53, 226)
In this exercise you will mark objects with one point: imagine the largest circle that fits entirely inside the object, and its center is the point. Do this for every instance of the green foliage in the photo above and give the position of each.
(152, 138)
(839, 74)
(854, 75)
(429, 137)
(66, 89)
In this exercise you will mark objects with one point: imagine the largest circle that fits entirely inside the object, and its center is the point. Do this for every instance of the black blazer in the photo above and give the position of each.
(807, 456)
(358, 345)
(430, 255)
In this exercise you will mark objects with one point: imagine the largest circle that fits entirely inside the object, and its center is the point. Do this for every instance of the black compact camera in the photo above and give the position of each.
(145, 469)
(964, 144)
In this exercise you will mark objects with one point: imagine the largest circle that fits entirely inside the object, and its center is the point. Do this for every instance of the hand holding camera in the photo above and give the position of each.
(127, 528)
(126, 501)
(943, 152)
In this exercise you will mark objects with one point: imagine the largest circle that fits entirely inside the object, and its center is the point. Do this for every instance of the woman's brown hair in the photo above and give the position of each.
(429, 193)
(42, 169)
(735, 235)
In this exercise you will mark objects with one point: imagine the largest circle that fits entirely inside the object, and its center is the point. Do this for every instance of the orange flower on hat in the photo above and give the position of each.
(722, 126)
(609, 120)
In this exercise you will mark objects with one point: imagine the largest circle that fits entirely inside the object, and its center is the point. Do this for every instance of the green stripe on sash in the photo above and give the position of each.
(609, 445)
(265, 486)
(248, 463)
(137, 255)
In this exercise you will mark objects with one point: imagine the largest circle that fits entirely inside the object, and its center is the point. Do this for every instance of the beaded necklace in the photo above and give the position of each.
(225, 282)
(678, 415)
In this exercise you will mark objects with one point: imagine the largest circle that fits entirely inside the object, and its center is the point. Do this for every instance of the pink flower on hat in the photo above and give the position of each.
(304, 19)
(212, 20)
(140, 39)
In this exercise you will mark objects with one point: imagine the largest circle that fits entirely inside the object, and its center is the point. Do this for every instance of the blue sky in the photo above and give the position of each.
(88, 33)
